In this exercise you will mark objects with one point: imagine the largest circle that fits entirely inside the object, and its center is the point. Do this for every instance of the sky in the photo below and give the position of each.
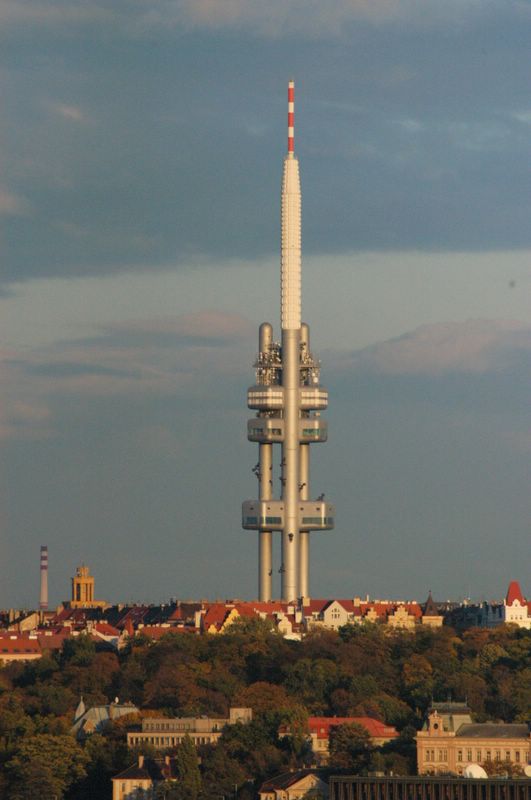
(141, 149)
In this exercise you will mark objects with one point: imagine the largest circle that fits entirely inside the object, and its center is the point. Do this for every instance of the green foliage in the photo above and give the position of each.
(362, 670)
(221, 773)
(45, 766)
(188, 785)
(15, 724)
(78, 651)
(350, 748)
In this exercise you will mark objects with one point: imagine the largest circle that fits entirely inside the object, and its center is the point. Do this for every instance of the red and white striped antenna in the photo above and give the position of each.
(43, 598)
(291, 117)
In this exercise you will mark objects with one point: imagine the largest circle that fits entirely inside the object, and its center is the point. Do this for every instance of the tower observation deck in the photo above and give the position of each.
(288, 400)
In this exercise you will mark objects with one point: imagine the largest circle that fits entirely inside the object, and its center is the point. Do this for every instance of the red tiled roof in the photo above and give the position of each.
(214, 615)
(514, 593)
(157, 631)
(413, 609)
(381, 609)
(245, 611)
(15, 645)
(315, 606)
(54, 639)
(105, 629)
(320, 726)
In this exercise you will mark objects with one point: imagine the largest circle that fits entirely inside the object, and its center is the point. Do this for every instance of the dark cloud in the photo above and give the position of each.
(163, 146)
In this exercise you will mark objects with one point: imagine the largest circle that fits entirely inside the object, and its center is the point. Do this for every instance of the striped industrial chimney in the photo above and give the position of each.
(43, 601)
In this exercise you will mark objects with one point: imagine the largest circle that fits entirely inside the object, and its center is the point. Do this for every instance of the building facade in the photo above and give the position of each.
(450, 741)
(163, 733)
(140, 781)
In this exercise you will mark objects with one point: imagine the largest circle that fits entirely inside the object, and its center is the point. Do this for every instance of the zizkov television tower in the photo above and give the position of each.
(288, 400)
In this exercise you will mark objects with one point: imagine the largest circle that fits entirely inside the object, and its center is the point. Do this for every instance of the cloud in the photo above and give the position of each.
(68, 112)
(475, 346)
(173, 356)
(274, 19)
(313, 18)
(11, 204)
(204, 325)
(24, 413)
(523, 116)
(61, 14)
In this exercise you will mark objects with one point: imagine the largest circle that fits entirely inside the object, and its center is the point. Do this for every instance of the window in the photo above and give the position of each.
(427, 755)
(459, 755)
(507, 755)
(488, 755)
(469, 755)
(517, 756)
(497, 755)
(478, 756)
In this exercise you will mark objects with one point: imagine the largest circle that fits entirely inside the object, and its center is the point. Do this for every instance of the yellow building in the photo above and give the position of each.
(450, 741)
(83, 590)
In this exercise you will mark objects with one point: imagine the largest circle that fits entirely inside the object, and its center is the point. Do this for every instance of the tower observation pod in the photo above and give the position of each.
(288, 400)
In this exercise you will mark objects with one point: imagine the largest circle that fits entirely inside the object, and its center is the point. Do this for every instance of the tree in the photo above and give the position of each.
(188, 786)
(350, 747)
(263, 697)
(503, 769)
(417, 676)
(36, 779)
(78, 651)
(14, 723)
(47, 764)
(220, 772)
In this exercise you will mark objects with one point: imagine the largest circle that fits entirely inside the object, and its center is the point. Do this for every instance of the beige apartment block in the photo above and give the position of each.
(163, 733)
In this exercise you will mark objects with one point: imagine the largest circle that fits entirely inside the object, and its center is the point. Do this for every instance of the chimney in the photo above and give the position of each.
(43, 600)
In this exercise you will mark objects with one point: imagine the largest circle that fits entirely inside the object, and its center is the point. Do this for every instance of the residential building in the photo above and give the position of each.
(19, 647)
(513, 610)
(305, 783)
(450, 741)
(431, 615)
(164, 733)
(139, 781)
(516, 609)
(97, 718)
(334, 614)
(319, 732)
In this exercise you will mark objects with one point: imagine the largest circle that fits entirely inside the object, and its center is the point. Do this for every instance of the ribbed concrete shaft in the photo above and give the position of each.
(290, 262)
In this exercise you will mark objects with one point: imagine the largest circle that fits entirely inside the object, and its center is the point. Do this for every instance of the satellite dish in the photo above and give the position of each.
(474, 771)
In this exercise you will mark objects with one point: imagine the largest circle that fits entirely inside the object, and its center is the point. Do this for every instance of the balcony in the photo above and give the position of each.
(268, 515)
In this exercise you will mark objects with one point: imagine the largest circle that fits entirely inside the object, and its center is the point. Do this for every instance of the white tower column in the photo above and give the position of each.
(288, 399)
